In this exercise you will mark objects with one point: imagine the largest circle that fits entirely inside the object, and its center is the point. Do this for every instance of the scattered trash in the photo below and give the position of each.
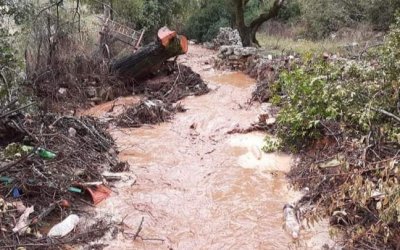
(75, 190)
(45, 154)
(64, 204)
(72, 132)
(99, 193)
(115, 176)
(19, 205)
(377, 195)
(6, 180)
(292, 224)
(16, 192)
(62, 91)
(23, 222)
(65, 227)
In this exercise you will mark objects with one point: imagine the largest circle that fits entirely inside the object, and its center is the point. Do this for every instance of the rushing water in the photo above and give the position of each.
(198, 187)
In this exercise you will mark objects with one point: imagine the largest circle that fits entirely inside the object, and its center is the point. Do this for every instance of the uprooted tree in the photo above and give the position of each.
(248, 32)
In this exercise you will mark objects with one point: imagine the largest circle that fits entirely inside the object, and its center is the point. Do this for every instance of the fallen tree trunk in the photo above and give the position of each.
(149, 58)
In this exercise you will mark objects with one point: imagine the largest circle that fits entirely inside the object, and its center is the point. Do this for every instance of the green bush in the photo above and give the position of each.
(204, 24)
(319, 92)
(345, 115)
(322, 17)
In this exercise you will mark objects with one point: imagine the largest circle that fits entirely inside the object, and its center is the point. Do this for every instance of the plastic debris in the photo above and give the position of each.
(45, 154)
(75, 190)
(72, 132)
(64, 227)
(23, 222)
(99, 193)
(19, 205)
(65, 203)
(5, 179)
(16, 192)
(292, 224)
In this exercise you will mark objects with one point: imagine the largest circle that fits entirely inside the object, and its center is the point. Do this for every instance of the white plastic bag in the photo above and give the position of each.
(64, 227)
(23, 221)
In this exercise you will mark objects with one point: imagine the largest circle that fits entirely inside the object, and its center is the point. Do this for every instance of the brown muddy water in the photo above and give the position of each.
(198, 187)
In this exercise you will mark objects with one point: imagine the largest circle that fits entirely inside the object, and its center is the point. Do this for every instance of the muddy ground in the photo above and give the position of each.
(198, 186)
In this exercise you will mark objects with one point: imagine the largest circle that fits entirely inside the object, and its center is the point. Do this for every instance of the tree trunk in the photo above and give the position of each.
(149, 58)
(248, 33)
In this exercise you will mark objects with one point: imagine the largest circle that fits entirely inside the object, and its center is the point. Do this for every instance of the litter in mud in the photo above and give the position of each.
(64, 227)
(41, 179)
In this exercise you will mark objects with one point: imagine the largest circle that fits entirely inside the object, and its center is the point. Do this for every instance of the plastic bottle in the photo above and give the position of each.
(45, 154)
(292, 224)
(64, 227)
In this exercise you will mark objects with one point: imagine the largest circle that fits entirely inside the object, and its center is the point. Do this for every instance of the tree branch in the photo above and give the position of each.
(386, 113)
(273, 12)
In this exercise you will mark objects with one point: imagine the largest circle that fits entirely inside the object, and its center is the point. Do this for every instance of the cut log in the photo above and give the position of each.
(150, 57)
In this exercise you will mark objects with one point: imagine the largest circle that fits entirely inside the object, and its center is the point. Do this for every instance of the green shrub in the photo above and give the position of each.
(204, 24)
(347, 114)
(343, 91)
(271, 144)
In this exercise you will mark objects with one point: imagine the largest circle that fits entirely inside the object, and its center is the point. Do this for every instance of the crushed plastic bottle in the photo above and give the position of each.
(45, 154)
(292, 224)
(64, 227)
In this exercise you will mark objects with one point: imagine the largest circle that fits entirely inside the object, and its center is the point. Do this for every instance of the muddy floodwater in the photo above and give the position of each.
(198, 187)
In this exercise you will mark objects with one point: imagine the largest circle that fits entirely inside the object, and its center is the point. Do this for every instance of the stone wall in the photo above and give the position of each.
(258, 65)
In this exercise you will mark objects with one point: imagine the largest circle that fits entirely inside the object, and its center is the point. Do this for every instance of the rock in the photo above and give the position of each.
(228, 36)
(248, 51)
(234, 57)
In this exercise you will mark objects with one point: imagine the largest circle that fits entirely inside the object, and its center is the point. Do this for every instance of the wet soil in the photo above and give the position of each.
(198, 187)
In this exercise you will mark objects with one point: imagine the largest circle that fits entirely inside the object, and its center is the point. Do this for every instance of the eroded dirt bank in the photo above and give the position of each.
(198, 187)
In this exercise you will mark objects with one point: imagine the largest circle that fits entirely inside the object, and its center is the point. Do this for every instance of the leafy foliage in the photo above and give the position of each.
(271, 144)
(204, 24)
(348, 111)
(322, 17)
(12, 13)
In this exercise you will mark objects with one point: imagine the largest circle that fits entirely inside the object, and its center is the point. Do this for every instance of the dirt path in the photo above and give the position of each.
(198, 187)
